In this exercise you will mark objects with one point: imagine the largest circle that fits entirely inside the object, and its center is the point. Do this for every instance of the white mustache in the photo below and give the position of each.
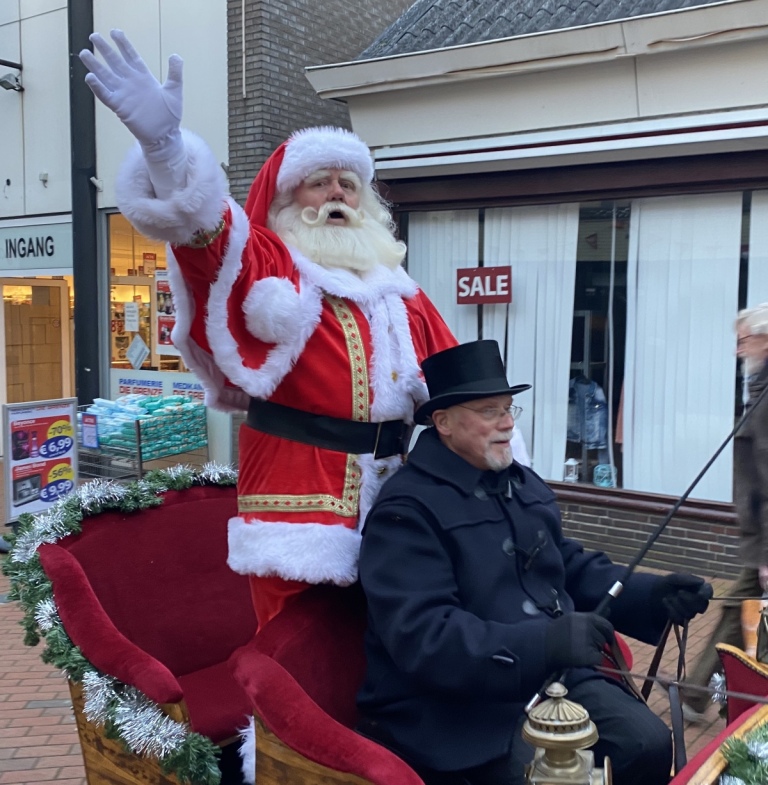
(314, 217)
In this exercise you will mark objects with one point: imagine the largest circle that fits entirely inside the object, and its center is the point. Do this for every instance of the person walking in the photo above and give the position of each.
(750, 483)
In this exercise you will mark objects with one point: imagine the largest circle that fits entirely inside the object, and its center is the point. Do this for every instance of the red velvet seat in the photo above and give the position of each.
(302, 673)
(149, 599)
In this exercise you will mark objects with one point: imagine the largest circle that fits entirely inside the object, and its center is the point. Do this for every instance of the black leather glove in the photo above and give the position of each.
(576, 640)
(682, 596)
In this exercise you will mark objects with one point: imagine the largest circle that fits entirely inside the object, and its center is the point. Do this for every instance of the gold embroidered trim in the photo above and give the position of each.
(361, 402)
(201, 238)
(346, 507)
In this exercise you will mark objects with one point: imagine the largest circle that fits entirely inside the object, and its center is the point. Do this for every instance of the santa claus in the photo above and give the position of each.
(295, 309)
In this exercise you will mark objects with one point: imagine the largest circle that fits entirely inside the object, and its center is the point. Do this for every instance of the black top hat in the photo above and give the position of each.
(464, 373)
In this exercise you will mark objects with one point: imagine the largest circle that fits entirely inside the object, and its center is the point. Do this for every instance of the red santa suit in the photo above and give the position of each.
(258, 320)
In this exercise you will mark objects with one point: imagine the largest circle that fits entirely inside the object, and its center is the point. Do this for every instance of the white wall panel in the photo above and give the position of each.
(201, 39)
(30, 8)
(158, 28)
(46, 112)
(11, 123)
(9, 12)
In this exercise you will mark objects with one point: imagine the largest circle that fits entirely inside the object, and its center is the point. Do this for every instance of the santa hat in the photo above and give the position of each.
(304, 152)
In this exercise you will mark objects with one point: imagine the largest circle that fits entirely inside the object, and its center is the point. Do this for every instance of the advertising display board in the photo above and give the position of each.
(40, 466)
(166, 314)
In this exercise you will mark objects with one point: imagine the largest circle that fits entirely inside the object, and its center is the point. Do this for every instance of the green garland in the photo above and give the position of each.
(127, 715)
(747, 758)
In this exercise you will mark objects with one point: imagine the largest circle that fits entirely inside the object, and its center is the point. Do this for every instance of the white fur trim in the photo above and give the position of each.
(218, 395)
(374, 473)
(272, 309)
(323, 148)
(310, 552)
(247, 751)
(257, 382)
(199, 205)
(364, 289)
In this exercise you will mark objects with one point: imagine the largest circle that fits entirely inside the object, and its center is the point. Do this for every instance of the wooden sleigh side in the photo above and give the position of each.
(106, 760)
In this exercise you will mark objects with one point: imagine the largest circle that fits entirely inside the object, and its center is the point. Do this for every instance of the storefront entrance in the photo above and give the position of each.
(35, 333)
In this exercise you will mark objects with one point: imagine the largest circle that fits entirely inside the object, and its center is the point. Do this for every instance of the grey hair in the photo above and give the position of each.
(754, 319)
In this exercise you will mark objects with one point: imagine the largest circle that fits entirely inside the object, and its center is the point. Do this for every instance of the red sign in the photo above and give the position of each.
(484, 285)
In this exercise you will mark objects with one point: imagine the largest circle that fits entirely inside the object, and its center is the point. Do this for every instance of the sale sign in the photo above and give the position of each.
(484, 285)
(40, 466)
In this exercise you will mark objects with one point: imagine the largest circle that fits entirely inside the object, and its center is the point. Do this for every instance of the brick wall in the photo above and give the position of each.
(703, 546)
(271, 97)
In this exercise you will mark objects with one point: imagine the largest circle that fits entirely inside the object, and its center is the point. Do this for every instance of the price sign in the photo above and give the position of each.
(40, 465)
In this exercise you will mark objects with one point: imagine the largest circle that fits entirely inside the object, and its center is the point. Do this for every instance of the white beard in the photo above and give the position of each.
(751, 366)
(360, 246)
(501, 463)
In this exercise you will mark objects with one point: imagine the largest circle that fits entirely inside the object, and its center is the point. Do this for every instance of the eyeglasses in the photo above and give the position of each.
(495, 413)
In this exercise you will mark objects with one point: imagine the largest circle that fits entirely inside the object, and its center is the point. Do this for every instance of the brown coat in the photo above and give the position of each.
(750, 465)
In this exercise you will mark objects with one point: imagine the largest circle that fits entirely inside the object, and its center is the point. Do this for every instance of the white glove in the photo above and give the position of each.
(149, 110)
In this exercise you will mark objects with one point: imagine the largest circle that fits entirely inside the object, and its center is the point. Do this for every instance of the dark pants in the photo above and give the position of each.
(637, 742)
(728, 630)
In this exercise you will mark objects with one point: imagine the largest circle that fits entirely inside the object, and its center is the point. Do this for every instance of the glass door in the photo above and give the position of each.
(36, 335)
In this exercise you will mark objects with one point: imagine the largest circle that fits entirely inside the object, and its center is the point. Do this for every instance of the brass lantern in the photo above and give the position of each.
(561, 730)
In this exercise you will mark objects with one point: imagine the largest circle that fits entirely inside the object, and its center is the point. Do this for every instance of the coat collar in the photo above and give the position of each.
(431, 456)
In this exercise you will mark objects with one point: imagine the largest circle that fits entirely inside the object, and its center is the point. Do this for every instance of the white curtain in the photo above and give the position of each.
(682, 292)
(438, 244)
(757, 286)
(540, 244)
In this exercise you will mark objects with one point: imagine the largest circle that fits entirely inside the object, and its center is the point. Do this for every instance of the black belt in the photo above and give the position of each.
(331, 433)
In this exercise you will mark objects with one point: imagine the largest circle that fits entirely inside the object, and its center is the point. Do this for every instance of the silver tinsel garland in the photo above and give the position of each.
(758, 750)
(216, 474)
(95, 494)
(727, 779)
(717, 685)
(99, 693)
(46, 614)
(48, 527)
(145, 728)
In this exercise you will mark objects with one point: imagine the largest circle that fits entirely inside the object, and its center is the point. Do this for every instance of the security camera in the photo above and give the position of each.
(11, 82)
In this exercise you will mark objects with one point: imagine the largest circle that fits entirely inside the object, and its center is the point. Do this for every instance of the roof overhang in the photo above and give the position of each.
(374, 87)
(682, 29)
(723, 132)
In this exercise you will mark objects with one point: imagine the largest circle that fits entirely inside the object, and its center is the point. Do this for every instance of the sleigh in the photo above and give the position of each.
(150, 604)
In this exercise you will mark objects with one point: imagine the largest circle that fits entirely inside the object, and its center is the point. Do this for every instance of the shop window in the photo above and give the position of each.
(622, 319)
(141, 306)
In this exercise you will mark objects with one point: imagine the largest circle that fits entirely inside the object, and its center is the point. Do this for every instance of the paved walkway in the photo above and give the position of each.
(38, 739)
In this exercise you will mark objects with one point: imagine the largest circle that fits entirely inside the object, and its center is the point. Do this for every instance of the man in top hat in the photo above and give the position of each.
(295, 309)
(475, 597)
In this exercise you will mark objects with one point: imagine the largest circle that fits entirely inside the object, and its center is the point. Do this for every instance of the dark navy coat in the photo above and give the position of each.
(460, 595)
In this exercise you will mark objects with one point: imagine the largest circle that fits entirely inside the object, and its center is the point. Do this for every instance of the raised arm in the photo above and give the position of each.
(149, 110)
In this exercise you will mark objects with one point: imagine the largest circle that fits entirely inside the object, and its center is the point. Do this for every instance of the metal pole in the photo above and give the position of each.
(82, 124)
